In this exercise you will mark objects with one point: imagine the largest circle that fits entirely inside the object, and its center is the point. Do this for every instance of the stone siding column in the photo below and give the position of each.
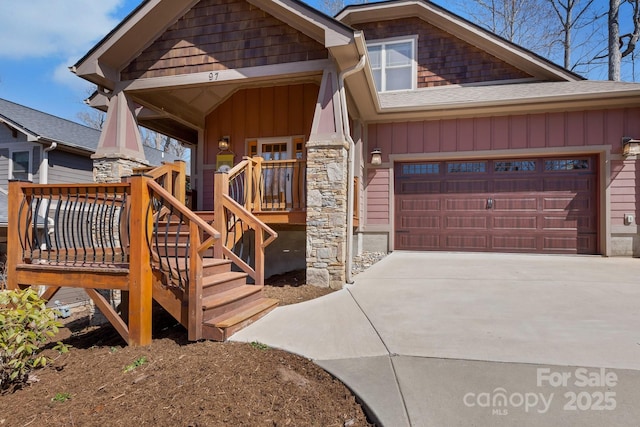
(108, 169)
(326, 212)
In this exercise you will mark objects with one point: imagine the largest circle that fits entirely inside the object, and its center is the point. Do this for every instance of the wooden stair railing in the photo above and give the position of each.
(234, 222)
(218, 301)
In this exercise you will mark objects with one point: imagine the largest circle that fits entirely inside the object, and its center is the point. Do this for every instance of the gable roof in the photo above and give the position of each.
(102, 64)
(461, 28)
(46, 128)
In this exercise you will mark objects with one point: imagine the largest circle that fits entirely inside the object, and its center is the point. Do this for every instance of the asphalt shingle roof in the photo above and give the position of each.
(452, 96)
(62, 131)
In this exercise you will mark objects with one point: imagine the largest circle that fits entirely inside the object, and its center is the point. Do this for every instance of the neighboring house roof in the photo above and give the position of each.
(46, 128)
(510, 96)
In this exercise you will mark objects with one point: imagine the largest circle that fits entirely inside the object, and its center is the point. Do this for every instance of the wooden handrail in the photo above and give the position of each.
(228, 213)
(192, 216)
(173, 177)
(202, 237)
(250, 219)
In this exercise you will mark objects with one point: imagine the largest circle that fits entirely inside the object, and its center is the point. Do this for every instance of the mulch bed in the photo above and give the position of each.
(178, 383)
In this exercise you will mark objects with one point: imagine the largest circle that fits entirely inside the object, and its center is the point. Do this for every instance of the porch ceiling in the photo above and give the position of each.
(180, 111)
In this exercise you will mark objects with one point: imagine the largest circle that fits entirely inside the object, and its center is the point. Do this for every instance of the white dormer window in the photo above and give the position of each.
(393, 63)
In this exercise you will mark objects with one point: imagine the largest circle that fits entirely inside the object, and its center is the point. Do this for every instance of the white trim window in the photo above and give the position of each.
(393, 63)
(20, 166)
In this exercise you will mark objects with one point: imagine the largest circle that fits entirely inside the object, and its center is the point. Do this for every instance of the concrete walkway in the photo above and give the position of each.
(448, 339)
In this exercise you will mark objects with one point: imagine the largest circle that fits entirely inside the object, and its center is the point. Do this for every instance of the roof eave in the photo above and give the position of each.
(509, 107)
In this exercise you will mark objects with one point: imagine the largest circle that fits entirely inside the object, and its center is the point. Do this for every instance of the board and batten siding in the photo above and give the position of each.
(377, 185)
(625, 180)
(551, 130)
(561, 130)
(278, 111)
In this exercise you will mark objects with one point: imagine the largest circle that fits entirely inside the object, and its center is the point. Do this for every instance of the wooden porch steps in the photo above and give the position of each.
(221, 328)
(228, 302)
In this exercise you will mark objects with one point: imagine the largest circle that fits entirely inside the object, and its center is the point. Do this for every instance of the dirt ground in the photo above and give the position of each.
(173, 382)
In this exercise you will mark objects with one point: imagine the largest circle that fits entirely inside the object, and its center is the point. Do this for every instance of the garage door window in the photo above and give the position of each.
(466, 167)
(515, 166)
(566, 164)
(421, 169)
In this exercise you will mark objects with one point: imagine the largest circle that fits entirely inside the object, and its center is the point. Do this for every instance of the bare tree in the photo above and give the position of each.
(93, 118)
(572, 15)
(528, 23)
(623, 45)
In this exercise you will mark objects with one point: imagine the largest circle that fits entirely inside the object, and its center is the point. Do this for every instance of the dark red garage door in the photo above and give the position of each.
(539, 205)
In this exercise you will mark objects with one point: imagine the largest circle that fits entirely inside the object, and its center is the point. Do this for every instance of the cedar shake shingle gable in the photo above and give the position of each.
(218, 35)
(443, 59)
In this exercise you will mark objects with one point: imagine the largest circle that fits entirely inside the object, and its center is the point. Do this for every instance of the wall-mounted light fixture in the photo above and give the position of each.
(376, 157)
(630, 146)
(223, 144)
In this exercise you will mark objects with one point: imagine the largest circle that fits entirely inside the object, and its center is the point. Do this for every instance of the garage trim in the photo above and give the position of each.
(604, 178)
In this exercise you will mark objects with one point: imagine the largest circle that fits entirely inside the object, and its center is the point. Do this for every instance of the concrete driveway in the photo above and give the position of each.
(478, 339)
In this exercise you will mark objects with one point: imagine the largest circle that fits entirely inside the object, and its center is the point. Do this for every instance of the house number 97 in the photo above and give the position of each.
(213, 77)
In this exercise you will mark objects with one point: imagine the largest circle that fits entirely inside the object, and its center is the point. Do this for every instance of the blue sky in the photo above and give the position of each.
(42, 38)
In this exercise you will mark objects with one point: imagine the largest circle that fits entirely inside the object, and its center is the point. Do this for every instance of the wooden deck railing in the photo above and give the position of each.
(172, 177)
(88, 236)
(269, 185)
(110, 236)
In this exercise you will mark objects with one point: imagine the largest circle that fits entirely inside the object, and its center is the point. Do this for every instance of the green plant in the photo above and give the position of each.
(259, 345)
(133, 365)
(27, 324)
(61, 397)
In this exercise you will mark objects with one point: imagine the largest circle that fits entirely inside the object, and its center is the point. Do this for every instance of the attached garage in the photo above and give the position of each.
(532, 205)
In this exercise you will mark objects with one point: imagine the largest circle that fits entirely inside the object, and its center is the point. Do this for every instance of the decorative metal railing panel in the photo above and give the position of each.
(170, 241)
(269, 185)
(282, 185)
(178, 238)
(74, 224)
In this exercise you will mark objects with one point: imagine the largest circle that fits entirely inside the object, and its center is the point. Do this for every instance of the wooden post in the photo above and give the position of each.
(195, 284)
(180, 185)
(259, 248)
(220, 188)
(140, 284)
(17, 222)
(256, 173)
(248, 185)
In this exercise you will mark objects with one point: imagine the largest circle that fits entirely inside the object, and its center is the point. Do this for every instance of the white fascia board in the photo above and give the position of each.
(322, 28)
